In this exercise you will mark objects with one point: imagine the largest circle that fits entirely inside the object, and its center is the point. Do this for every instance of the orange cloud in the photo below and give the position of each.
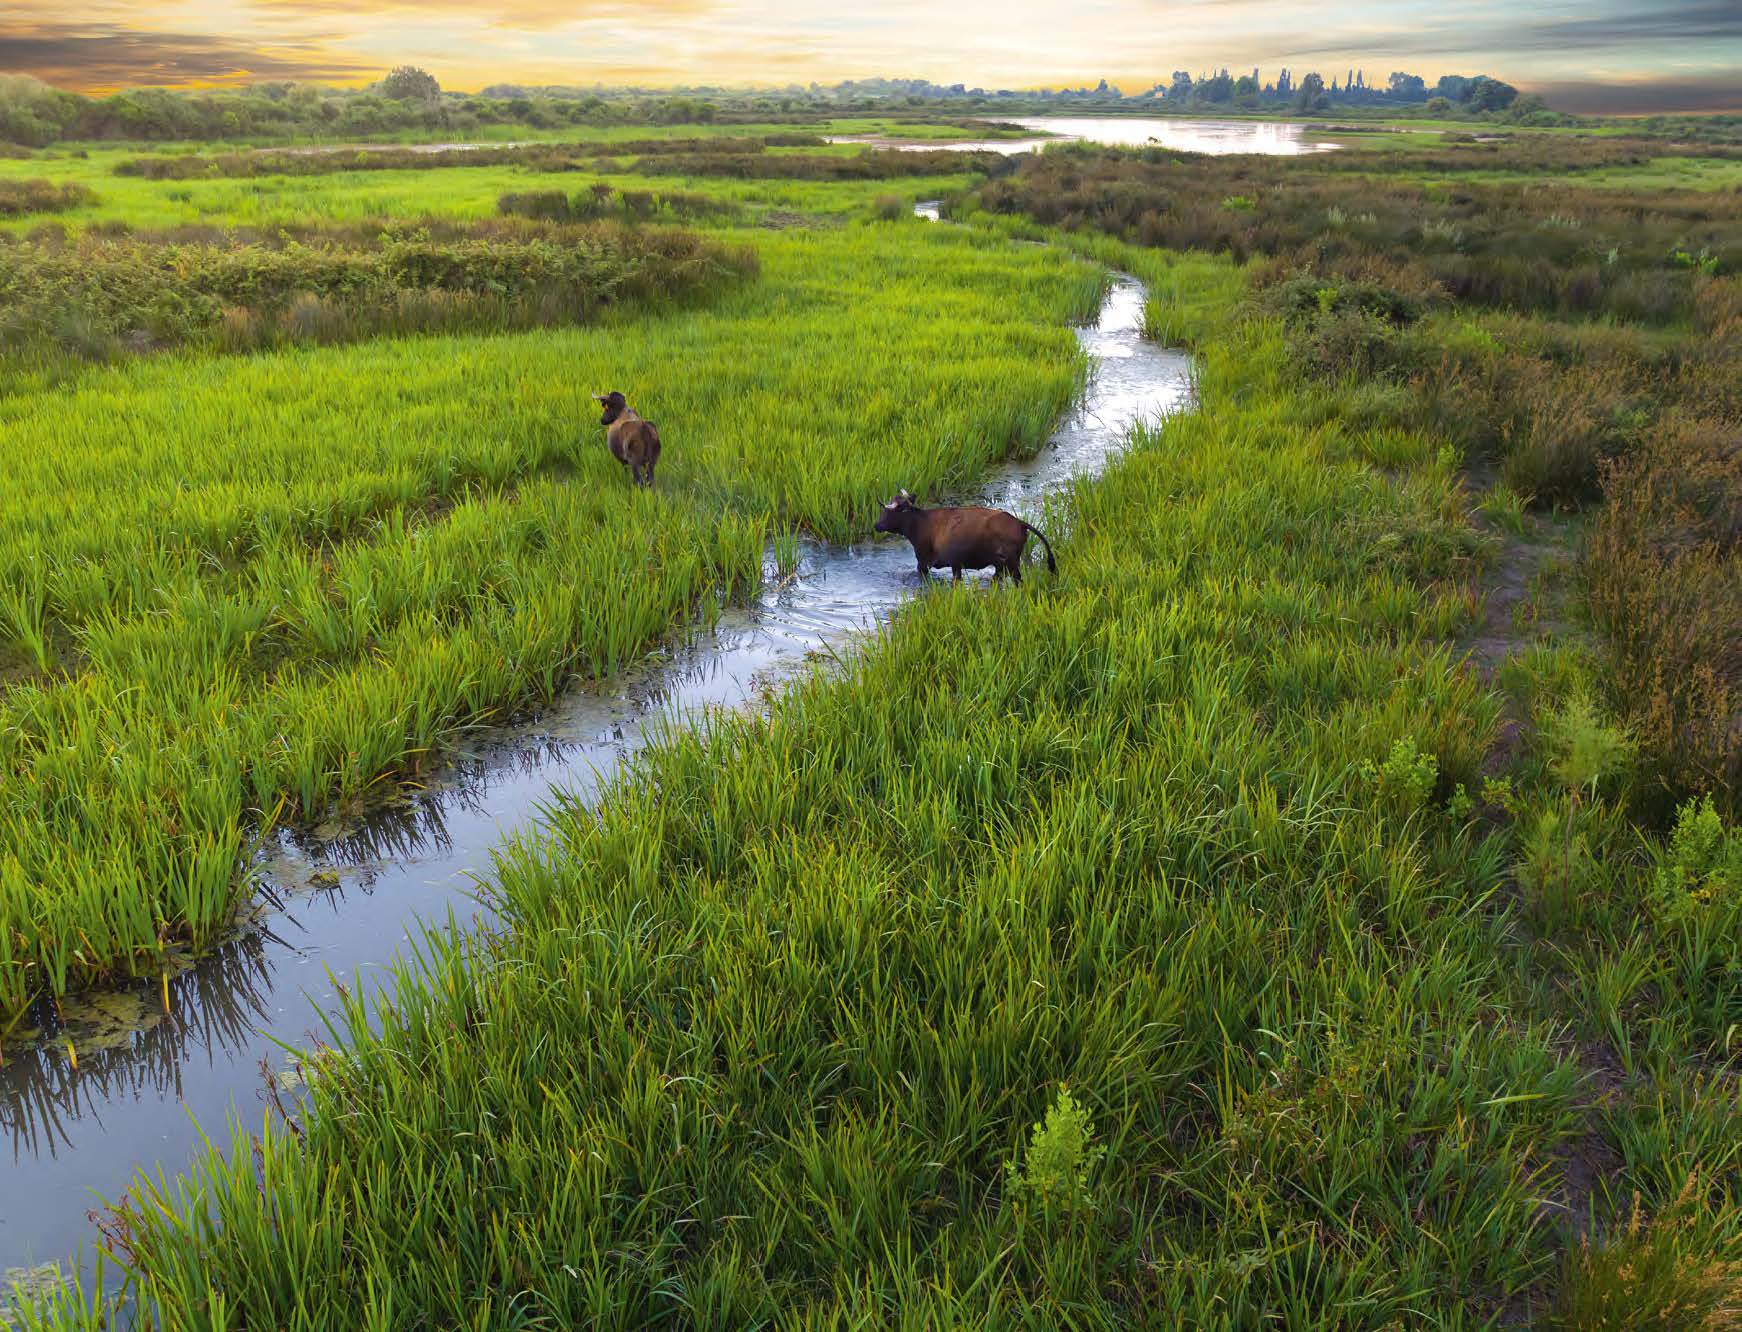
(96, 57)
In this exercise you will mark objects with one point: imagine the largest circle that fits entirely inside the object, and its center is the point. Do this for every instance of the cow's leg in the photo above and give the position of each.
(648, 473)
(956, 572)
(1016, 572)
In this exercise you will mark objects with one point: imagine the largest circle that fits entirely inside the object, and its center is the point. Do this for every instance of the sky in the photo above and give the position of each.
(1663, 54)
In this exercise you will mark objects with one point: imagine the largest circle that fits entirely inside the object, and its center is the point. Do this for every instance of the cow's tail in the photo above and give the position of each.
(1051, 564)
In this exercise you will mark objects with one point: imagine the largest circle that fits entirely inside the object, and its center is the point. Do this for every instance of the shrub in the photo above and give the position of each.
(1055, 1172)
(20, 197)
(1664, 1273)
(1702, 863)
(1405, 780)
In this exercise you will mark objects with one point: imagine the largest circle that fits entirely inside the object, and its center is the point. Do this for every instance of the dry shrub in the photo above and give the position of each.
(1664, 577)
(1668, 1273)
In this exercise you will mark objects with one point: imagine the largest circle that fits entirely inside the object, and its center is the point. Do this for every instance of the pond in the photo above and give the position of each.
(1271, 138)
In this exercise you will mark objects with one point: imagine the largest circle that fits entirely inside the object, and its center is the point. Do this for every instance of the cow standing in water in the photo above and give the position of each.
(632, 441)
(957, 539)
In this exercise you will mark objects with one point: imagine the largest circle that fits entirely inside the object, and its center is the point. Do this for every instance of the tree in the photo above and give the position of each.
(408, 83)
(1312, 93)
(1451, 87)
(1220, 88)
(1408, 87)
(1181, 87)
(1486, 94)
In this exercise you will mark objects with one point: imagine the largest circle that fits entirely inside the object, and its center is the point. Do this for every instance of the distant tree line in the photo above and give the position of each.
(1310, 93)
(409, 102)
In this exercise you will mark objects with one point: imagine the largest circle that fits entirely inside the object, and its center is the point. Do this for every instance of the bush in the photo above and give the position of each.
(1055, 1172)
(1701, 866)
(1663, 573)
(1664, 1273)
(105, 296)
(19, 197)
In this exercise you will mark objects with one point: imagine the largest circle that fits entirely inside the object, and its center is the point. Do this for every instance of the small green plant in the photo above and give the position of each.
(1498, 792)
(1585, 750)
(1505, 507)
(1555, 868)
(1704, 262)
(1239, 203)
(786, 554)
(1462, 804)
(1405, 780)
(1702, 863)
(1057, 1167)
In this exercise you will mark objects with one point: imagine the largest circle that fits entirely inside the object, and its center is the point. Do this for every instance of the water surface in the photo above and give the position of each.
(1216, 137)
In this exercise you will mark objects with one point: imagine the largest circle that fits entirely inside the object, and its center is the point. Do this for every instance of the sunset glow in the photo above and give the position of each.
(1553, 47)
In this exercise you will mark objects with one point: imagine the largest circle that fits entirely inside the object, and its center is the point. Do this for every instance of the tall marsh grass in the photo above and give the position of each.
(1583, 345)
(763, 1035)
(239, 588)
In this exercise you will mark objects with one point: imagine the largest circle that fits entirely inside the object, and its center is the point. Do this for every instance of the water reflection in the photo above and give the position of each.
(130, 1043)
(1215, 137)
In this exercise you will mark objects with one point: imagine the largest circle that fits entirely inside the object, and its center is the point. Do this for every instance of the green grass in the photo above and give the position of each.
(759, 1042)
(257, 585)
(442, 192)
(1201, 829)
(1663, 173)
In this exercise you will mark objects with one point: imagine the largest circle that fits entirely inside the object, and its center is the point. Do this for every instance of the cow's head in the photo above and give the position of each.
(614, 404)
(894, 515)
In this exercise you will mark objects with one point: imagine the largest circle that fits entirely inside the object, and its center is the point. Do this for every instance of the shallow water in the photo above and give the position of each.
(342, 902)
(1216, 137)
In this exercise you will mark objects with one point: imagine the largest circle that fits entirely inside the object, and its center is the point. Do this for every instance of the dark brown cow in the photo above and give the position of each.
(959, 539)
(632, 441)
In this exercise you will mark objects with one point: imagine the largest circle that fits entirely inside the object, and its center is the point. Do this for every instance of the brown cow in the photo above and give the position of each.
(632, 441)
(960, 539)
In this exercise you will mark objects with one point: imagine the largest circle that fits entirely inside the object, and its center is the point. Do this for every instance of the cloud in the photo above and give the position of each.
(1566, 45)
(100, 57)
(1639, 98)
(524, 15)
(1624, 30)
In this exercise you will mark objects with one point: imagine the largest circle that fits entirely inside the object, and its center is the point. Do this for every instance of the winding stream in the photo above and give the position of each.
(342, 902)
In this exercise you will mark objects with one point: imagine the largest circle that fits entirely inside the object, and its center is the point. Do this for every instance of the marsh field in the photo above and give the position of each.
(1317, 905)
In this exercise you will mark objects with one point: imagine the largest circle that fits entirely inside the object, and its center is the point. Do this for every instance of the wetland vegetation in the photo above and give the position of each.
(1318, 902)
